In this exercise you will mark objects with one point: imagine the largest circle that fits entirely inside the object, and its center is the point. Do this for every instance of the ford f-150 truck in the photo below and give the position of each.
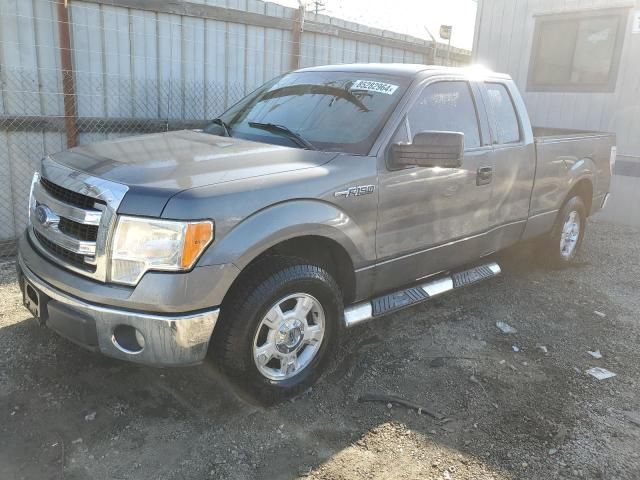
(329, 196)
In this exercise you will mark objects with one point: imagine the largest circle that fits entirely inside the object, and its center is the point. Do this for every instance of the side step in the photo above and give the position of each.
(379, 306)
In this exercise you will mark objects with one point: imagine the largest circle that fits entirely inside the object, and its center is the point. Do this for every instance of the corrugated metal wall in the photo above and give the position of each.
(137, 69)
(503, 42)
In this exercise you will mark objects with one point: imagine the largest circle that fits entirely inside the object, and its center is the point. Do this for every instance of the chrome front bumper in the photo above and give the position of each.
(169, 339)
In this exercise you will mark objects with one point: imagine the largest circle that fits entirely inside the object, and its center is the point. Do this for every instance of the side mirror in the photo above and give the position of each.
(430, 149)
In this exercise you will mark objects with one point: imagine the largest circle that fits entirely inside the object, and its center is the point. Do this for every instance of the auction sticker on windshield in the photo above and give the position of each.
(371, 86)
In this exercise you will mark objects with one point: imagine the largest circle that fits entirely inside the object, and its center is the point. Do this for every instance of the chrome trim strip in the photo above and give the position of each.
(547, 212)
(438, 286)
(109, 192)
(495, 268)
(357, 313)
(53, 234)
(171, 339)
(79, 215)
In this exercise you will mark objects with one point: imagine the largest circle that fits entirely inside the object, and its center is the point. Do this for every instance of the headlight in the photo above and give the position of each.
(142, 244)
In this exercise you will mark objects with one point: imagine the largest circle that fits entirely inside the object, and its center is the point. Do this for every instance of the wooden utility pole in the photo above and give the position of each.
(296, 35)
(68, 85)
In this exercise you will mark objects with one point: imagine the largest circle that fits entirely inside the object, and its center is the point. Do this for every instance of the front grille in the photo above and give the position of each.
(64, 254)
(69, 196)
(73, 229)
(78, 230)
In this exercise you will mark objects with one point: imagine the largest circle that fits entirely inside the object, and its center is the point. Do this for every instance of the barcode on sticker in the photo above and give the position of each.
(371, 86)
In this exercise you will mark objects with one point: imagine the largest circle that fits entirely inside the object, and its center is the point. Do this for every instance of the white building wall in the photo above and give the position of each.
(503, 42)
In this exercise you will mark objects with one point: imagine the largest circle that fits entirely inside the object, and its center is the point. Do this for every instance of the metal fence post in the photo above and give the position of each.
(296, 34)
(68, 86)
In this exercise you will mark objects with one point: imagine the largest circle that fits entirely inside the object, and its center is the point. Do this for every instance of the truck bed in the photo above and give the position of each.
(559, 150)
(545, 134)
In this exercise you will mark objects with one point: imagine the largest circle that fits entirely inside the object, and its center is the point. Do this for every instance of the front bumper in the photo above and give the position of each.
(170, 339)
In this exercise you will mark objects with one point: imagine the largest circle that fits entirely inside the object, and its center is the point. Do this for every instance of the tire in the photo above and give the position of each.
(561, 246)
(255, 342)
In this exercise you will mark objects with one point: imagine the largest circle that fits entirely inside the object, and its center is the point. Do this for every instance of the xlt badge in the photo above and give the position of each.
(356, 191)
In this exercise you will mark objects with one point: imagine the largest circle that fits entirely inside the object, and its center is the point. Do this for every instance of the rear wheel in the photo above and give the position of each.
(279, 327)
(564, 241)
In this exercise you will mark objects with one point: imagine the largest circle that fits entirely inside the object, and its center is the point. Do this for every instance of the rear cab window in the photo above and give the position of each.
(503, 114)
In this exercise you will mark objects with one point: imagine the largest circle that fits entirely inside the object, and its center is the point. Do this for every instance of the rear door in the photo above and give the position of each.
(514, 163)
(428, 216)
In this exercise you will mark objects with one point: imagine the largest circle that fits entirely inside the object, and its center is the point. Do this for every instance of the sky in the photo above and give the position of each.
(407, 16)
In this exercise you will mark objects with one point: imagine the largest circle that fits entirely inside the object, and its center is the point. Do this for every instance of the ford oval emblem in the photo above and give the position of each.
(45, 216)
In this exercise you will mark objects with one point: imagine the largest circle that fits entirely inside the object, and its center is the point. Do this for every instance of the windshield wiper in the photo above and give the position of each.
(285, 131)
(225, 127)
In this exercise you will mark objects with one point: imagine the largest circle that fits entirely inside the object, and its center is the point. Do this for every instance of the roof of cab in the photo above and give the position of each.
(404, 69)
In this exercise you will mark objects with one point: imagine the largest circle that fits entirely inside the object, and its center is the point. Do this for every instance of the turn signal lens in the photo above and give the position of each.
(196, 239)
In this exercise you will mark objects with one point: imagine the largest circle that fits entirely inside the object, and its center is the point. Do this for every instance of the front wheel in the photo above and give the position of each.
(564, 241)
(279, 327)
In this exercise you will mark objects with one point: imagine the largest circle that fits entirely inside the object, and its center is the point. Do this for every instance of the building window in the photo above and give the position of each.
(577, 52)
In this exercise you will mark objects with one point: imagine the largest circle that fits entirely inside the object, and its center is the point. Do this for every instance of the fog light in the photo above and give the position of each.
(128, 339)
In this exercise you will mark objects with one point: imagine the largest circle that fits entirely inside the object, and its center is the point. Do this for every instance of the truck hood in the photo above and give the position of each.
(157, 166)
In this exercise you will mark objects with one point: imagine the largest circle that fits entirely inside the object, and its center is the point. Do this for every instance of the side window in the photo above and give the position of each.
(446, 106)
(504, 113)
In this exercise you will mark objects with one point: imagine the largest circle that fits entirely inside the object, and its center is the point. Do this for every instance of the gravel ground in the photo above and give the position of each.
(531, 414)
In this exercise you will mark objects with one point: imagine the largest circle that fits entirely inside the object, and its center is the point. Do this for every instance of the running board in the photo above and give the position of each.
(392, 302)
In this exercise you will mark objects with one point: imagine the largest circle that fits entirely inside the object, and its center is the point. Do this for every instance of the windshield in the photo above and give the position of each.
(331, 111)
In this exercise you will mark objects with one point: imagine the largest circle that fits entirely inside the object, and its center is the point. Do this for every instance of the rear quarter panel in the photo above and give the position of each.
(564, 161)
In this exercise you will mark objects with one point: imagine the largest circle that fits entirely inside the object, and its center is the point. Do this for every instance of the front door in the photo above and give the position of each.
(432, 219)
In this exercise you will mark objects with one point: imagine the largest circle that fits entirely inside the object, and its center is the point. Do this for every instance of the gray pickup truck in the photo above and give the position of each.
(327, 197)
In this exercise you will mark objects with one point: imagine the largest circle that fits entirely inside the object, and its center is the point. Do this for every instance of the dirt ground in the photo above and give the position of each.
(531, 414)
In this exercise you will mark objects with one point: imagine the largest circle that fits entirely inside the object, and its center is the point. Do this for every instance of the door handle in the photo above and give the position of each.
(484, 176)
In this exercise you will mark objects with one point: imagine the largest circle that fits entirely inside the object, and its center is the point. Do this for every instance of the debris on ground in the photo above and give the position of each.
(600, 314)
(600, 373)
(515, 348)
(543, 349)
(77, 440)
(89, 417)
(505, 327)
(595, 354)
(390, 399)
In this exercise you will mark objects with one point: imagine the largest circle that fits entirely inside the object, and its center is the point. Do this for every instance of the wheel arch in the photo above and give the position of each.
(316, 249)
(583, 188)
(308, 229)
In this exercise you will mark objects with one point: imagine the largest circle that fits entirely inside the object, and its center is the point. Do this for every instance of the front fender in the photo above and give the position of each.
(277, 223)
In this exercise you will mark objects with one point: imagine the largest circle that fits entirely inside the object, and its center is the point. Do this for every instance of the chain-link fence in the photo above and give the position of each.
(130, 107)
(75, 72)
